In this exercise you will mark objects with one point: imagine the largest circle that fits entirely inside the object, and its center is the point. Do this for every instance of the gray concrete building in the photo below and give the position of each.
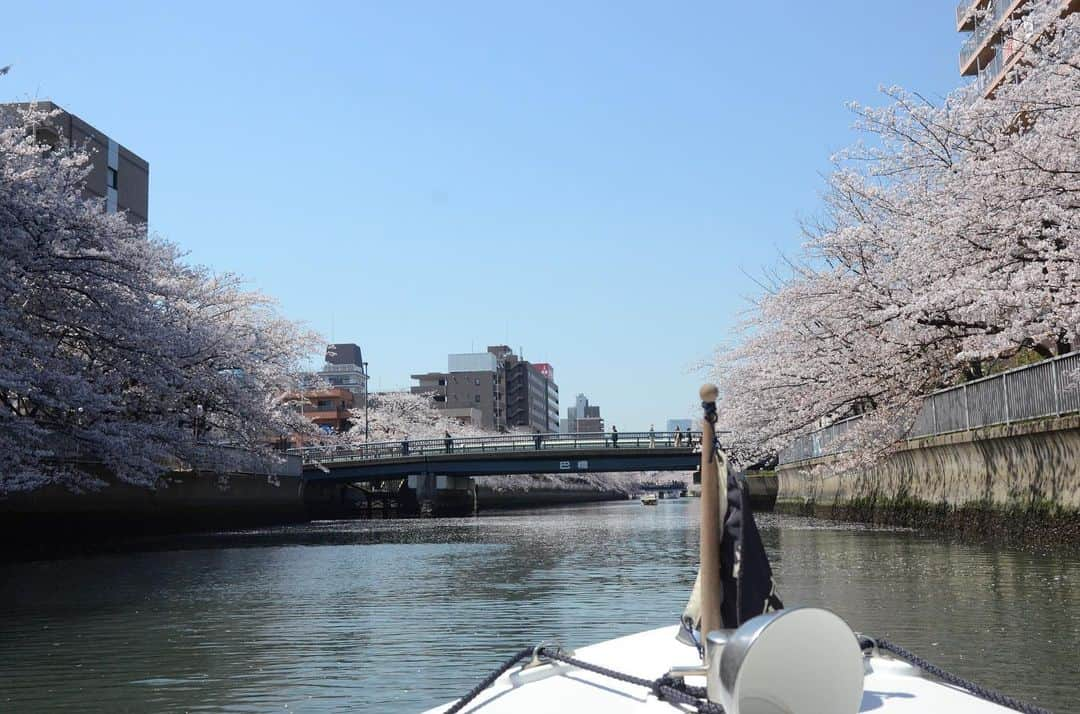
(526, 397)
(472, 381)
(118, 176)
(506, 390)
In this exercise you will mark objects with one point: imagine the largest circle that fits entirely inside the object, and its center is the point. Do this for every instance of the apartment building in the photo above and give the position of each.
(503, 389)
(472, 381)
(329, 408)
(998, 31)
(345, 367)
(118, 176)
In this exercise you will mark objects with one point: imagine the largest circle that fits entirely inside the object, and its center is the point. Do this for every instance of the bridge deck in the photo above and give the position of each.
(490, 456)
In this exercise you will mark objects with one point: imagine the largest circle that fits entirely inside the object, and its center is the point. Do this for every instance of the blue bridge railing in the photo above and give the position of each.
(373, 451)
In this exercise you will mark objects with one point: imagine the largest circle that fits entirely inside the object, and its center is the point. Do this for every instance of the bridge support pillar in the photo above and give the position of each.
(438, 495)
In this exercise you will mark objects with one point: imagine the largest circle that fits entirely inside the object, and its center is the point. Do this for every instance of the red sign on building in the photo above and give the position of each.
(545, 369)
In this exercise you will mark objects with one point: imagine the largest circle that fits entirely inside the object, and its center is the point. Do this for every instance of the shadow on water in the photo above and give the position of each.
(397, 616)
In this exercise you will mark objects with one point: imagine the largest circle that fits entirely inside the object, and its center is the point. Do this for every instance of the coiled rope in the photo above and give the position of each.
(676, 691)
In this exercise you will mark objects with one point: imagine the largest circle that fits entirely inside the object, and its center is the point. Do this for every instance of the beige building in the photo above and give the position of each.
(998, 32)
(118, 176)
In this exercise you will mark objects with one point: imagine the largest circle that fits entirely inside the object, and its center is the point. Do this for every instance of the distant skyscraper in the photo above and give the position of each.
(583, 418)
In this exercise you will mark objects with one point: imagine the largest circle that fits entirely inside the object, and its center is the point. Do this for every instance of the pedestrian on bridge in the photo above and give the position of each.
(678, 437)
(537, 438)
(614, 436)
(449, 441)
(405, 446)
(652, 437)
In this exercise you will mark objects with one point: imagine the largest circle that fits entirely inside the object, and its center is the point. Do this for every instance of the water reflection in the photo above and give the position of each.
(400, 615)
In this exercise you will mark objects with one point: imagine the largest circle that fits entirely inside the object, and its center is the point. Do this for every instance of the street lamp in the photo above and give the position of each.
(198, 415)
(78, 427)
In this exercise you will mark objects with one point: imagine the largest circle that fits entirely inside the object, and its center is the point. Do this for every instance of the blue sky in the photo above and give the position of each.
(589, 181)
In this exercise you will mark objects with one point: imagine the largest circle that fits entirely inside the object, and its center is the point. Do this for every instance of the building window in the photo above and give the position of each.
(477, 398)
(477, 381)
(442, 382)
(110, 177)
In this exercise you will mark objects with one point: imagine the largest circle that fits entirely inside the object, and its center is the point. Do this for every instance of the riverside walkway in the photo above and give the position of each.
(504, 454)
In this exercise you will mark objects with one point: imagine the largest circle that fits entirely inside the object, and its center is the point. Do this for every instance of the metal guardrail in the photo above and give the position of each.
(1044, 389)
(498, 444)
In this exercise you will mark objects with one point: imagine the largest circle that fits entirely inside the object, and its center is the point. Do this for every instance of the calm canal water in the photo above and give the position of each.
(397, 616)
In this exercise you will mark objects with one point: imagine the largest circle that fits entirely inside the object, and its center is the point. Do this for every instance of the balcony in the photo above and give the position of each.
(965, 15)
(978, 50)
(991, 76)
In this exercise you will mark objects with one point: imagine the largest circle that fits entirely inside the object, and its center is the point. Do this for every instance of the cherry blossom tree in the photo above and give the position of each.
(393, 416)
(117, 354)
(949, 240)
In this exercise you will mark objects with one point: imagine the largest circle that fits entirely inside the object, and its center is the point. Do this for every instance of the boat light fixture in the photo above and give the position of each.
(794, 661)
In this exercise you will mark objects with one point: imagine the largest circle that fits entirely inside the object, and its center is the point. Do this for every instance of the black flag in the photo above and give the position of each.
(744, 566)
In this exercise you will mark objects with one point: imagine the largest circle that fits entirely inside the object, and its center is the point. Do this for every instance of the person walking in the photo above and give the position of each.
(405, 446)
(678, 437)
(537, 438)
(449, 441)
(614, 436)
(652, 437)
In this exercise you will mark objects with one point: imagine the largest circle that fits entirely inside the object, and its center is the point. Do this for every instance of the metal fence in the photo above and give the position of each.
(492, 444)
(1048, 388)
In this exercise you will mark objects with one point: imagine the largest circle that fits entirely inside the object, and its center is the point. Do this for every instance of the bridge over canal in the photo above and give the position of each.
(504, 455)
(441, 470)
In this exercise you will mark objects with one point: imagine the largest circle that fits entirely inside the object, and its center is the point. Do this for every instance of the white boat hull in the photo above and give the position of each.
(890, 687)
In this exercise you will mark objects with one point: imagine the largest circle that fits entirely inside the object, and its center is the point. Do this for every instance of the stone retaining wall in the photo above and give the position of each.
(994, 478)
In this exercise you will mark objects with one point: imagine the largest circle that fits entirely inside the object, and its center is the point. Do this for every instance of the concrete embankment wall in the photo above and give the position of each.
(183, 501)
(1020, 481)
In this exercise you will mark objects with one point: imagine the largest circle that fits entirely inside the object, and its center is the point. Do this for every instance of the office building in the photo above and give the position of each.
(583, 418)
(532, 397)
(548, 372)
(999, 32)
(118, 176)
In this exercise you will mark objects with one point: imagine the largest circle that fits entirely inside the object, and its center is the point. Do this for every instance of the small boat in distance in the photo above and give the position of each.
(649, 499)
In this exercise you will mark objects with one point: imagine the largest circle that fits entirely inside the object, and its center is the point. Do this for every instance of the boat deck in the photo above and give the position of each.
(891, 687)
